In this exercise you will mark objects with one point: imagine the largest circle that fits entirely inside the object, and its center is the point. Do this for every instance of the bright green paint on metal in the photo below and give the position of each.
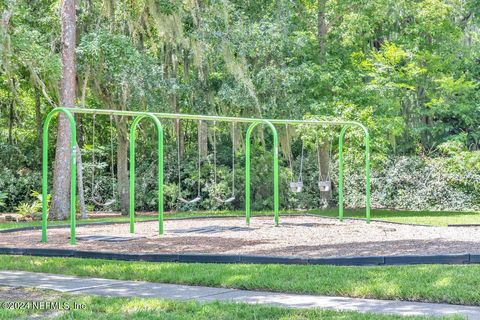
(155, 116)
(73, 170)
(341, 175)
(275, 169)
(159, 129)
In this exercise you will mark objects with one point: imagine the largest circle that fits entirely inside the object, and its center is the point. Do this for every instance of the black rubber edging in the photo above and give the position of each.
(249, 259)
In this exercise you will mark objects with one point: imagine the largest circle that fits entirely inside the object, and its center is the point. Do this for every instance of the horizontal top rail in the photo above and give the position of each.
(215, 118)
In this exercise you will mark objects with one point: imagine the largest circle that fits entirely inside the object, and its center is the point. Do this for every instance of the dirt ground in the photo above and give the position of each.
(304, 236)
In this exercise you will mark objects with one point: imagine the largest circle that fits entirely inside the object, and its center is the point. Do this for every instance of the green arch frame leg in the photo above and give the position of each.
(341, 175)
(275, 170)
(154, 116)
(133, 130)
(73, 172)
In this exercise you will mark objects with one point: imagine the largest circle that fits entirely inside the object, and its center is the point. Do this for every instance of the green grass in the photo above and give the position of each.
(139, 217)
(435, 218)
(458, 284)
(136, 308)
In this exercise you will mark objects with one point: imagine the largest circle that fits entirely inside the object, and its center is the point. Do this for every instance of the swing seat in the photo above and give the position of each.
(296, 186)
(190, 201)
(97, 202)
(106, 204)
(325, 186)
(231, 199)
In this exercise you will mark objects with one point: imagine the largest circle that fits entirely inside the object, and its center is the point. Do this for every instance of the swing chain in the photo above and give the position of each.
(177, 129)
(215, 152)
(93, 154)
(289, 151)
(215, 162)
(233, 159)
(198, 198)
(112, 171)
(320, 177)
(290, 156)
(199, 156)
(300, 174)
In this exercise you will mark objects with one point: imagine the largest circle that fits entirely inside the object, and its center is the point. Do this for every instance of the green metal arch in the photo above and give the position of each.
(367, 170)
(275, 169)
(253, 123)
(73, 170)
(133, 129)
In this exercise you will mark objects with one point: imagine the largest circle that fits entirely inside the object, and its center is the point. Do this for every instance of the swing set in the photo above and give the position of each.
(324, 183)
(296, 186)
(199, 163)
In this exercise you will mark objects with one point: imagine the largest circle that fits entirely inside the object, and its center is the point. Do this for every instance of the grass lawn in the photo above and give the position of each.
(457, 284)
(435, 218)
(94, 307)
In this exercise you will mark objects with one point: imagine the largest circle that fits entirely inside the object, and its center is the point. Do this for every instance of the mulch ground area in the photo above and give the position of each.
(305, 236)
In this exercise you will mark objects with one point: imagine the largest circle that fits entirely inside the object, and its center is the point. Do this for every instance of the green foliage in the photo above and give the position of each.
(408, 70)
(420, 183)
(18, 185)
(28, 209)
(32, 210)
(3, 196)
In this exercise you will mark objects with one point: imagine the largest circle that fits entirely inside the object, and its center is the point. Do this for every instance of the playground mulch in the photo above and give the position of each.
(305, 236)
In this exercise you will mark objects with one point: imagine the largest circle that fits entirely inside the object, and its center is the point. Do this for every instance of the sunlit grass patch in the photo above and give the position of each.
(458, 284)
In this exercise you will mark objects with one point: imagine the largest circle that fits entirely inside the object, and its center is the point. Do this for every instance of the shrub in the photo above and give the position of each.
(28, 210)
(3, 196)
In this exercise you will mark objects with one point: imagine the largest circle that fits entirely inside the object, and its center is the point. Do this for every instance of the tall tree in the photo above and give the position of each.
(323, 147)
(61, 191)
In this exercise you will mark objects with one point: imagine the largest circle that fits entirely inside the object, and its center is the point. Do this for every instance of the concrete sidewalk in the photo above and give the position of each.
(119, 288)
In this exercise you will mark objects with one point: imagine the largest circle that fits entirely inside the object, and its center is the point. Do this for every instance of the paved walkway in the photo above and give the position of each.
(119, 288)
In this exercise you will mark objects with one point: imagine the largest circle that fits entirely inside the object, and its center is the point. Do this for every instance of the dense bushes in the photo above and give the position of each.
(449, 181)
(18, 186)
(420, 183)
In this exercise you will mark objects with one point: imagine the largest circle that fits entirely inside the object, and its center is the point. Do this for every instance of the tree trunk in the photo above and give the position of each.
(61, 175)
(321, 28)
(323, 148)
(324, 170)
(122, 164)
(203, 139)
(80, 190)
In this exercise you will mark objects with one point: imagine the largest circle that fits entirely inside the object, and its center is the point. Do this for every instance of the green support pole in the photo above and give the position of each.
(73, 170)
(155, 116)
(159, 129)
(341, 175)
(367, 174)
(275, 170)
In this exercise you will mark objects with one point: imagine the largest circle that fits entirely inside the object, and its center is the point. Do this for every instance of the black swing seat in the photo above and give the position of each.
(231, 199)
(195, 200)
(106, 204)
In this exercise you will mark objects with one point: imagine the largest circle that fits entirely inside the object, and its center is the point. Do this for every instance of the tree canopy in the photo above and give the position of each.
(409, 70)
